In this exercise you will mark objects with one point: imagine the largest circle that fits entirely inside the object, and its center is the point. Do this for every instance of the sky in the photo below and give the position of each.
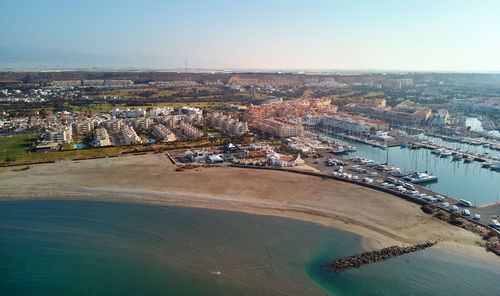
(406, 35)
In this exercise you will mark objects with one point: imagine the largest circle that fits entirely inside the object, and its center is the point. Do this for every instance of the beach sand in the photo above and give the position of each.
(380, 218)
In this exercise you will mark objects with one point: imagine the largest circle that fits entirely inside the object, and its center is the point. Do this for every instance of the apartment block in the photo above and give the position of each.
(101, 138)
(162, 133)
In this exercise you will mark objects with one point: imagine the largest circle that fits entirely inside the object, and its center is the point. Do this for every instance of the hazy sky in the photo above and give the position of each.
(450, 35)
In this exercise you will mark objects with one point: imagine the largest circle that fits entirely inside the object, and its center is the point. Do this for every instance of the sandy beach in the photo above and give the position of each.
(380, 218)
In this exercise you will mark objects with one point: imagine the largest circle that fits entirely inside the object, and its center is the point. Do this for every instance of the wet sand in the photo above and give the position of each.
(380, 218)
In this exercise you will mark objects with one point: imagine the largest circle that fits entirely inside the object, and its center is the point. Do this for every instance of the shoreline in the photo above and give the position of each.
(377, 230)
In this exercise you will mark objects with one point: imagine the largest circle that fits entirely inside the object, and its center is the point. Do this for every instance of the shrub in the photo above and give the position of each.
(428, 209)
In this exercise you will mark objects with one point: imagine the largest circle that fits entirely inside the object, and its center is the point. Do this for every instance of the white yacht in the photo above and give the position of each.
(495, 166)
(339, 150)
(445, 153)
(487, 164)
(437, 151)
(421, 178)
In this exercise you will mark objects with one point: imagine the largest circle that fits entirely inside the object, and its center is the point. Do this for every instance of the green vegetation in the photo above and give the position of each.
(16, 147)
(107, 107)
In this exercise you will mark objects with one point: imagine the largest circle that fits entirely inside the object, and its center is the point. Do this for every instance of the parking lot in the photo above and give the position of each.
(341, 167)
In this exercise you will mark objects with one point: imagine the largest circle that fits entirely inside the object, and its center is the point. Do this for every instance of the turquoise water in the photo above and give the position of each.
(51, 247)
(456, 178)
(79, 146)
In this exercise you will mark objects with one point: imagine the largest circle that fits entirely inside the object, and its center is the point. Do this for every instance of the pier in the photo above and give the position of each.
(472, 156)
(376, 256)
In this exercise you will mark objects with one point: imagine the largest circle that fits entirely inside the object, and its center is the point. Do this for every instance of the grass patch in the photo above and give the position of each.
(16, 147)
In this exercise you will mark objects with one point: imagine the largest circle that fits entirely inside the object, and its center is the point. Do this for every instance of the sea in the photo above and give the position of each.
(76, 247)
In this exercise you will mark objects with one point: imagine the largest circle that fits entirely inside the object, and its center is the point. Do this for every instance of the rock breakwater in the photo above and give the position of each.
(377, 255)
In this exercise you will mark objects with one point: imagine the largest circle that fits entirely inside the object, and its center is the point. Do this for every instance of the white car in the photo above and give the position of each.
(415, 193)
(374, 174)
(355, 177)
(367, 180)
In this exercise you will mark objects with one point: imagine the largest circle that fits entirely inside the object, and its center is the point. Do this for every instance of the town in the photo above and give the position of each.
(297, 122)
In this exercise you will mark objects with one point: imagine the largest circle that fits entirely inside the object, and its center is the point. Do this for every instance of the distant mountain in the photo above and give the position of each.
(25, 58)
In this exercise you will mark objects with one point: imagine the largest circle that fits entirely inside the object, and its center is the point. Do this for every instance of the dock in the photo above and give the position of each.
(475, 157)
(376, 256)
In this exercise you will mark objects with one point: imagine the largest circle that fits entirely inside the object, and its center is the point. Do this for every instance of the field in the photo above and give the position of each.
(15, 147)
(106, 107)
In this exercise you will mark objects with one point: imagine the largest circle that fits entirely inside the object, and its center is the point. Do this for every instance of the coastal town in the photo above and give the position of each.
(250, 148)
(306, 134)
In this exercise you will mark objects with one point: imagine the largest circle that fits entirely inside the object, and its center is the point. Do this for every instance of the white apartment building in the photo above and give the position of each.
(155, 112)
(128, 136)
(162, 133)
(61, 134)
(190, 110)
(142, 123)
(101, 138)
(113, 125)
(83, 127)
(128, 113)
(190, 131)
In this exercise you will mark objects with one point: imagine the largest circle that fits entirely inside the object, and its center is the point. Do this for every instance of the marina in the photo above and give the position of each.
(458, 179)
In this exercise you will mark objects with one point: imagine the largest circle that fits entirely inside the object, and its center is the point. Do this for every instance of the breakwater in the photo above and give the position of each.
(378, 255)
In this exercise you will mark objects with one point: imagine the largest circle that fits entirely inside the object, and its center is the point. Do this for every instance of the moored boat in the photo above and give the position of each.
(495, 166)
(421, 178)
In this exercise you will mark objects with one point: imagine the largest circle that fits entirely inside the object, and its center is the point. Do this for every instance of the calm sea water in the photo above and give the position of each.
(50, 247)
(456, 178)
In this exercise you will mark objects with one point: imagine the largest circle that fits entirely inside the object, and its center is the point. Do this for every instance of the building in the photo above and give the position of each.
(107, 83)
(162, 133)
(189, 131)
(101, 138)
(83, 127)
(61, 134)
(155, 112)
(349, 124)
(214, 159)
(142, 123)
(66, 83)
(274, 158)
(113, 125)
(190, 110)
(128, 136)
(278, 127)
(440, 118)
(227, 124)
(128, 113)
